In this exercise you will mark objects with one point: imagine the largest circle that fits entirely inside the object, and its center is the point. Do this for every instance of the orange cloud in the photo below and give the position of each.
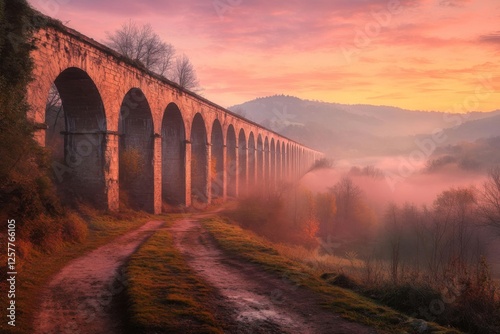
(420, 54)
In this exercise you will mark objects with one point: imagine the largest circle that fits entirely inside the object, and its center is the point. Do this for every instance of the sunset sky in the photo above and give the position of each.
(418, 54)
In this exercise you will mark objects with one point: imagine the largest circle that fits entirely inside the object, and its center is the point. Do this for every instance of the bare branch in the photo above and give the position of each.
(184, 73)
(142, 44)
(490, 200)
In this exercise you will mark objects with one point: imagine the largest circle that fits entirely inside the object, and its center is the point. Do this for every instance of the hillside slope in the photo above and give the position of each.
(350, 131)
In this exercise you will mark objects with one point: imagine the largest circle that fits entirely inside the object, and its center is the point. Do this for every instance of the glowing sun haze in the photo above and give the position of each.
(415, 54)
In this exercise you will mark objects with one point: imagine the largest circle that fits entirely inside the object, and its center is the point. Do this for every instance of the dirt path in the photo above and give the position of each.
(84, 296)
(255, 301)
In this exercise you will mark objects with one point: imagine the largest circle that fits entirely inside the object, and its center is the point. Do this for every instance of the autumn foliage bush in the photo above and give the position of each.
(27, 192)
(423, 261)
(131, 164)
(290, 217)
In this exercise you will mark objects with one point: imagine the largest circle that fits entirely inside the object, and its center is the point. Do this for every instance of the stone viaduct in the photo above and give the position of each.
(116, 114)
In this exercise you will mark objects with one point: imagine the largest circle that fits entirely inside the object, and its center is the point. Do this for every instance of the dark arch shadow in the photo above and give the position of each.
(136, 152)
(260, 161)
(199, 160)
(173, 156)
(252, 160)
(289, 161)
(231, 166)
(76, 138)
(217, 161)
(242, 161)
(278, 166)
(267, 163)
(283, 162)
(272, 151)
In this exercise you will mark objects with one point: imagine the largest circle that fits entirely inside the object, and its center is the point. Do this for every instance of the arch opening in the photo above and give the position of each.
(76, 138)
(217, 161)
(251, 159)
(283, 162)
(267, 162)
(173, 141)
(199, 160)
(136, 146)
(231, 162)
(260, 160)
(242, 160)
(288, 161)
(273, 163)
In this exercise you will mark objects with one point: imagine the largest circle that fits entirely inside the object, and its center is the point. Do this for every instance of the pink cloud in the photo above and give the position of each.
(294, 46)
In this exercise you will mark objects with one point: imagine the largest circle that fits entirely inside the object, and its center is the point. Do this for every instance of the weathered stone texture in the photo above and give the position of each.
(94, 81)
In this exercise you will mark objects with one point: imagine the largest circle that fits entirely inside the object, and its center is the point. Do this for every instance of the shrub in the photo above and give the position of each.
(22, 163)
(74, 228)
(131, 164)
(477, 308)
(253, 212)
(406, 297)
(340, 280)
(289, 219)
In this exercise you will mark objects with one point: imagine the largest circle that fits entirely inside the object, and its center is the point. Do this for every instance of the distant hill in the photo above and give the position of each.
(475, 129)
(478, 155)
(350, 131)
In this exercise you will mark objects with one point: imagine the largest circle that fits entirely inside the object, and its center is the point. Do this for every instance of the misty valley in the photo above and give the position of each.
(134, 200)
(396, 215)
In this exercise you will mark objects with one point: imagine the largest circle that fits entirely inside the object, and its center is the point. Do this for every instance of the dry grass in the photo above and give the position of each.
(346, 303)
(39, 266)
(321, 262)
(462, 301)
(164, 295)
(470, 301)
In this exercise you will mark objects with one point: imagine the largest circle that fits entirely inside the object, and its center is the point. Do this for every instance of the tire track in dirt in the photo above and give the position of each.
(83, 297)
(256, 301)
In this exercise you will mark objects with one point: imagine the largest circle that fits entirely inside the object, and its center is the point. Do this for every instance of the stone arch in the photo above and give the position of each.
(302, 160)
(136, 147)
(199, 160)
(278, 160)
(283, 161)
(242, 160)
(252, 159)
(294, 161)
(273, 161)
(260, 160)
(173, 143)
(290, 161)
(76, 136)
(298, 161)
(267, 161)
(217, 160)
(231, 162)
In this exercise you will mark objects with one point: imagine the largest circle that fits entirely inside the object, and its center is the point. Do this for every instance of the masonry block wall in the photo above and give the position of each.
(188, 148)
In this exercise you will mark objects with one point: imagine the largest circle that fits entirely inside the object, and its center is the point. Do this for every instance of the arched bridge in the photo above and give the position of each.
(125, 133)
